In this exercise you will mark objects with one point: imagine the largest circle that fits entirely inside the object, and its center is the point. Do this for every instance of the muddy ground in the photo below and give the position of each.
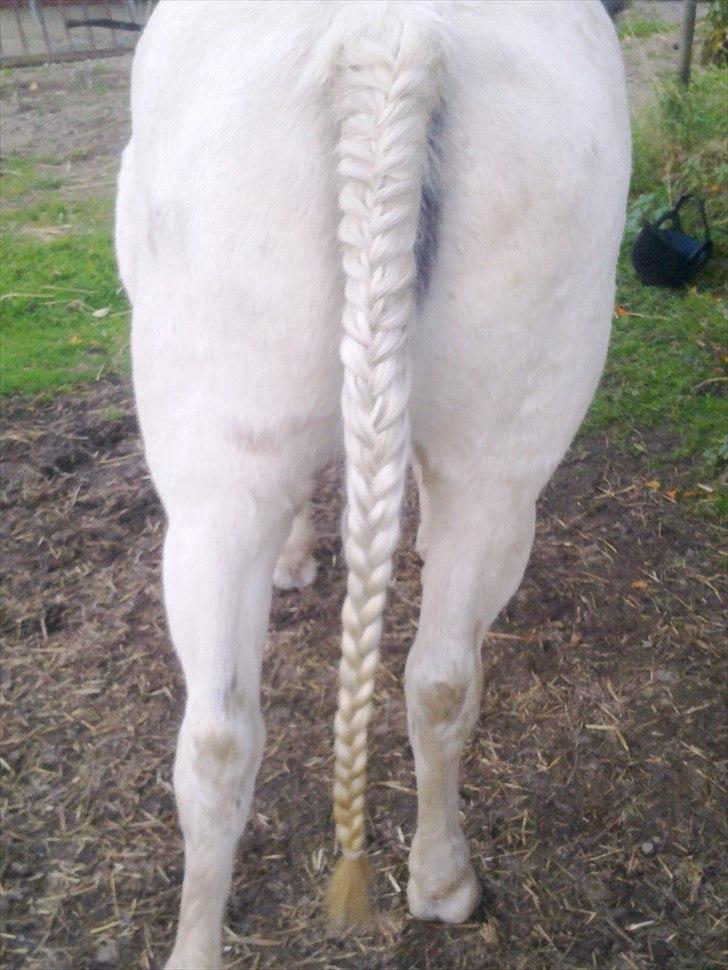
(593, 794)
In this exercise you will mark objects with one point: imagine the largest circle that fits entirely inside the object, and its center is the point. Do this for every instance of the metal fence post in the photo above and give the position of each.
(686, 39)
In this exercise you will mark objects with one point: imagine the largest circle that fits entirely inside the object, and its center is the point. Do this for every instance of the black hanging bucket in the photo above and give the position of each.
(670, 257)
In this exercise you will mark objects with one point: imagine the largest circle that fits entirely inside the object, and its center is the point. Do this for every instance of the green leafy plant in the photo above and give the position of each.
(715, 45)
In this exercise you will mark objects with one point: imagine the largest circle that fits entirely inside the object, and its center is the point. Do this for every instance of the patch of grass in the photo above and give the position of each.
(636, 26)
(667, 371)
(679, 141)
(64, 319)
(114, 414)
(668, 362)
(51, 212)
(20, 177)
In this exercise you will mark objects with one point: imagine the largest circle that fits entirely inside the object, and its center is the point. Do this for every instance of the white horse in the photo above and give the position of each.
(422, 202)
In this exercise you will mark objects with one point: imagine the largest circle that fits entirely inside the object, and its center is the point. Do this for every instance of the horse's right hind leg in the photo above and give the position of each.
(478, 543)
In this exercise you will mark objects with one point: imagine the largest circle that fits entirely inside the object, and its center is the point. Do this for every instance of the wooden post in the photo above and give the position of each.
(686, 39)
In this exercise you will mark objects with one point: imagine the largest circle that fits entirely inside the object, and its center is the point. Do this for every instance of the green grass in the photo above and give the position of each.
(25, 177)
(636, 26)
(63, 318)
(679, 141)
(667, 370)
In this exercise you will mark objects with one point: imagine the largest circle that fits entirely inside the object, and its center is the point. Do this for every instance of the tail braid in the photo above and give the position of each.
(384, 98)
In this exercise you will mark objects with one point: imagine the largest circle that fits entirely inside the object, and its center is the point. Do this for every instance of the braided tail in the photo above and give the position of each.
(384, 95)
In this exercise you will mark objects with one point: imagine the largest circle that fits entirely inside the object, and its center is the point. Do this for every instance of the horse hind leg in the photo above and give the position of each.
(296, 566)
(478, 546)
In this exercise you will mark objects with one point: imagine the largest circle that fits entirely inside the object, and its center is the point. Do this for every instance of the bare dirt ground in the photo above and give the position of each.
(75, 114)
(594, 790)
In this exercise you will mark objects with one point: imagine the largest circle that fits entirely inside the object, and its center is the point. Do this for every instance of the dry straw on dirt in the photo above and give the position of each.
(593, 793)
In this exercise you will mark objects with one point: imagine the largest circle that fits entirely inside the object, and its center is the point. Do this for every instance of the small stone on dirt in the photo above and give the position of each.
(665, 676)
(108, 954)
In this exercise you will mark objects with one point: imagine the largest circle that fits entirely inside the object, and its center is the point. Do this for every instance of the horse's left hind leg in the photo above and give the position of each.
(296, 566)
(218, 564)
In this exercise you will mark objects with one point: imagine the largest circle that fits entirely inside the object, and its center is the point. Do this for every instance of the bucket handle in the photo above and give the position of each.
(673, 214)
